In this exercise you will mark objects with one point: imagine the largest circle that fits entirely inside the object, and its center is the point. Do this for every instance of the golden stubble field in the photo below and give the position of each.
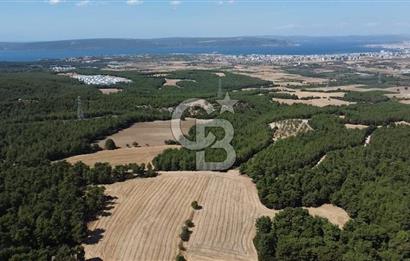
(150, 136)
(148, 214)
(153, 133)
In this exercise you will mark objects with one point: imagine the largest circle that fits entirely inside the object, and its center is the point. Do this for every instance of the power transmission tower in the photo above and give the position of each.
(220, 94)
(80, 112)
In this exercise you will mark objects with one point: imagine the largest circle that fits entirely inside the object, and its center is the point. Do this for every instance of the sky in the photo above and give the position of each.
(44, 20)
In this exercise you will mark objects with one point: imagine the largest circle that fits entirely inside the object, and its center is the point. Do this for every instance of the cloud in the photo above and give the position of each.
(83, 3)
(223, 2)
(175, 2)
(54, 2)
(135, 2)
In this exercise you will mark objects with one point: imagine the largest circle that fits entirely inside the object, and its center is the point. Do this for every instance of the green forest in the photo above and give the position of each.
(369, 182)
(45, 203)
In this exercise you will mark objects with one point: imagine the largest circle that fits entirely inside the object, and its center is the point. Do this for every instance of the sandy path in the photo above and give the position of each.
(321, 160)
(367, 141)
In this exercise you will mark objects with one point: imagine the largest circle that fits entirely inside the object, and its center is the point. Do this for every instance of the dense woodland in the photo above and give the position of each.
(44, 206)
(370, 183)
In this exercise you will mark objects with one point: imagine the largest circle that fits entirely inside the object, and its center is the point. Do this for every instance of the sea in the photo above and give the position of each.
(301, 49)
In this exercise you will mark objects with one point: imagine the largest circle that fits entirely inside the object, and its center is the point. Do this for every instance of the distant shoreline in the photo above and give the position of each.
(302, 49)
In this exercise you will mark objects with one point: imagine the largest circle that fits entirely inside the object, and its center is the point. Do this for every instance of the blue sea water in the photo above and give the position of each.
(302, 49)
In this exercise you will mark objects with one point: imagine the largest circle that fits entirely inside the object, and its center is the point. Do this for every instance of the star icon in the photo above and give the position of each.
(227, 104)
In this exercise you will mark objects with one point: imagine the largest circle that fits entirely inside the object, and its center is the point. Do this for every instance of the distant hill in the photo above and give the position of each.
(100, 44)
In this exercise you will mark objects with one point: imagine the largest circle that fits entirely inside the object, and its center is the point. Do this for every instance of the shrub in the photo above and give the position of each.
(110, 145)
(150, 173)
(189, 223)
(195, 205)
(180, 258)
(171, 142)
(185, 234)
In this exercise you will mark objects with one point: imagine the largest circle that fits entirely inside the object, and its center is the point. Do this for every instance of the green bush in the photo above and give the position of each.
(110, 145)
(180, 258)
(185, 234)
(189, 223)
(195, 205)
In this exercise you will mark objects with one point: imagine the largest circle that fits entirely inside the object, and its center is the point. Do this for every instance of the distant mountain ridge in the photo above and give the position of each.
(96, 44)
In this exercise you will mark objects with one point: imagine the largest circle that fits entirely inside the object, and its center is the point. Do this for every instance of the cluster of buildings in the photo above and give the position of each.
(277, 59)
(99, 79)
(59, 69)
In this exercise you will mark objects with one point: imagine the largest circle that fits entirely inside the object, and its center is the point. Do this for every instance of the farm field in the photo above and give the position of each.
(122, 156)
(322, 102)
(278, 76)
(148, 214)
(147, 133)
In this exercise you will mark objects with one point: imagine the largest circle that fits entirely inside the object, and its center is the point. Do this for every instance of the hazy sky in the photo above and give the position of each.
(34, 20)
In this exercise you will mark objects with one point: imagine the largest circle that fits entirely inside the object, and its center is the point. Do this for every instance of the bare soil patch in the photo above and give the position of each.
(405, 123)
(288, 128)
(404, 101)
(334, 214)
(174, 82)
(356, 126)
(110, 91)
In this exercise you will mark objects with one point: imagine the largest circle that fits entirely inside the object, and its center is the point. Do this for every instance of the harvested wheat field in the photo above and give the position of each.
(122, 156)
(322, 102)
(324, 95)
(148, 214)
(352, 87)
(147, 133)
(277, 75)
